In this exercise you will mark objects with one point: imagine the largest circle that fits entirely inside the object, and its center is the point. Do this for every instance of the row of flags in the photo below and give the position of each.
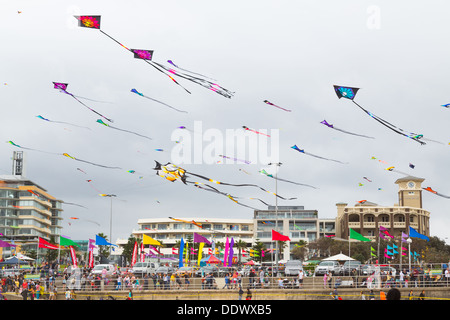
(390, 251)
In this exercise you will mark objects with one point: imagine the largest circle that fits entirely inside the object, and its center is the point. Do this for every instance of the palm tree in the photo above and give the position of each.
(240, 245)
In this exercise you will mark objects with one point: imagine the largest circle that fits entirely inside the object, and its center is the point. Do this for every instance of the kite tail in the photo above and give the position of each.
(389, 125)
(140, 135)
(165, 104)
(354, 134)
(144, 60)
(110, 120)
(198, 74)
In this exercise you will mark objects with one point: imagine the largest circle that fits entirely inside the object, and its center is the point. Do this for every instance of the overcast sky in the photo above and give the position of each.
(288, 52)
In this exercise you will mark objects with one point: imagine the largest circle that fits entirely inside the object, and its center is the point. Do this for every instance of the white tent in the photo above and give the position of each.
(23, 257)
(338, 257)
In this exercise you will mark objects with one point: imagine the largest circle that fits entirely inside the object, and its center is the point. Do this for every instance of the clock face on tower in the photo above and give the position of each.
(411, 184)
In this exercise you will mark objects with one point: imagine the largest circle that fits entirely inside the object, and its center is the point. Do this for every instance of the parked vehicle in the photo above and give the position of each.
(111, 269)
(292, 267)
(165, 270)
(349, 266)
(142, 268)
(207, 270)
(190, 271)
(327, 266)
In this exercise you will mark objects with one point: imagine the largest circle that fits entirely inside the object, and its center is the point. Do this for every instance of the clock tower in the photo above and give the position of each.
(410, 191)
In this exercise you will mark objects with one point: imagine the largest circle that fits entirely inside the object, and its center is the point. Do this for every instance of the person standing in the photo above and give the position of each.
(422, 295)
(325, 276)
(240, 292)
(249, 294)
(447, 275)
(300, 279)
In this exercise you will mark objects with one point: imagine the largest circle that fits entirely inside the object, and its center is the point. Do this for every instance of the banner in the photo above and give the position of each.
(74, 257)
(225, 256)
(180, 254)
(142, 253)
(200, 252)
(134, 256)
(230, 254)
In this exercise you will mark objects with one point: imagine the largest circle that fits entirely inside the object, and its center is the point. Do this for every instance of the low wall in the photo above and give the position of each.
(440, 293)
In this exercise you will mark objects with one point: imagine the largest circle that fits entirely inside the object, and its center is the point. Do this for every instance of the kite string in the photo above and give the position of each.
(153, 65)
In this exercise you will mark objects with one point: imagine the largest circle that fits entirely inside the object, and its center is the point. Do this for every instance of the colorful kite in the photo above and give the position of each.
(350, 93)
(446, 105)
(63, 154)
(142, 95)
(395, 170)
(189, 222)
(25, 148)
(270, 103)
(435, 192)
(93, 22)
(351, 133)
(313, 155)
(71, 124)
(257, 132)
(264, 172)
(107, 125)
(63, 88)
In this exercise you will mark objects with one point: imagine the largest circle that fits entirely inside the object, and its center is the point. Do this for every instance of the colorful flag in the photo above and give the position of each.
(276, 236)
(142, 256)
(148, 240)
(199, 238)
(414, 234)
(74, 257)
(200, 252)
(180, 257)
(66, 242)
(225, 256)
(45, 244)
(134, 255)
(230, 254)
(355, 235)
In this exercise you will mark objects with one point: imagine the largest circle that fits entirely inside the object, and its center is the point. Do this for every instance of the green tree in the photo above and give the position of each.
(129, 246)
(240, 245)
(103, 250)
(300, 249)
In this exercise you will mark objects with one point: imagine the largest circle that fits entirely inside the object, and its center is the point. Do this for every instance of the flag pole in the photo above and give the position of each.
(276, 211)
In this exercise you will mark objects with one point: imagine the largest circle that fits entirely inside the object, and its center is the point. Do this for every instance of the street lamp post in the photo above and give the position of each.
(409, 241)
(110, 217)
